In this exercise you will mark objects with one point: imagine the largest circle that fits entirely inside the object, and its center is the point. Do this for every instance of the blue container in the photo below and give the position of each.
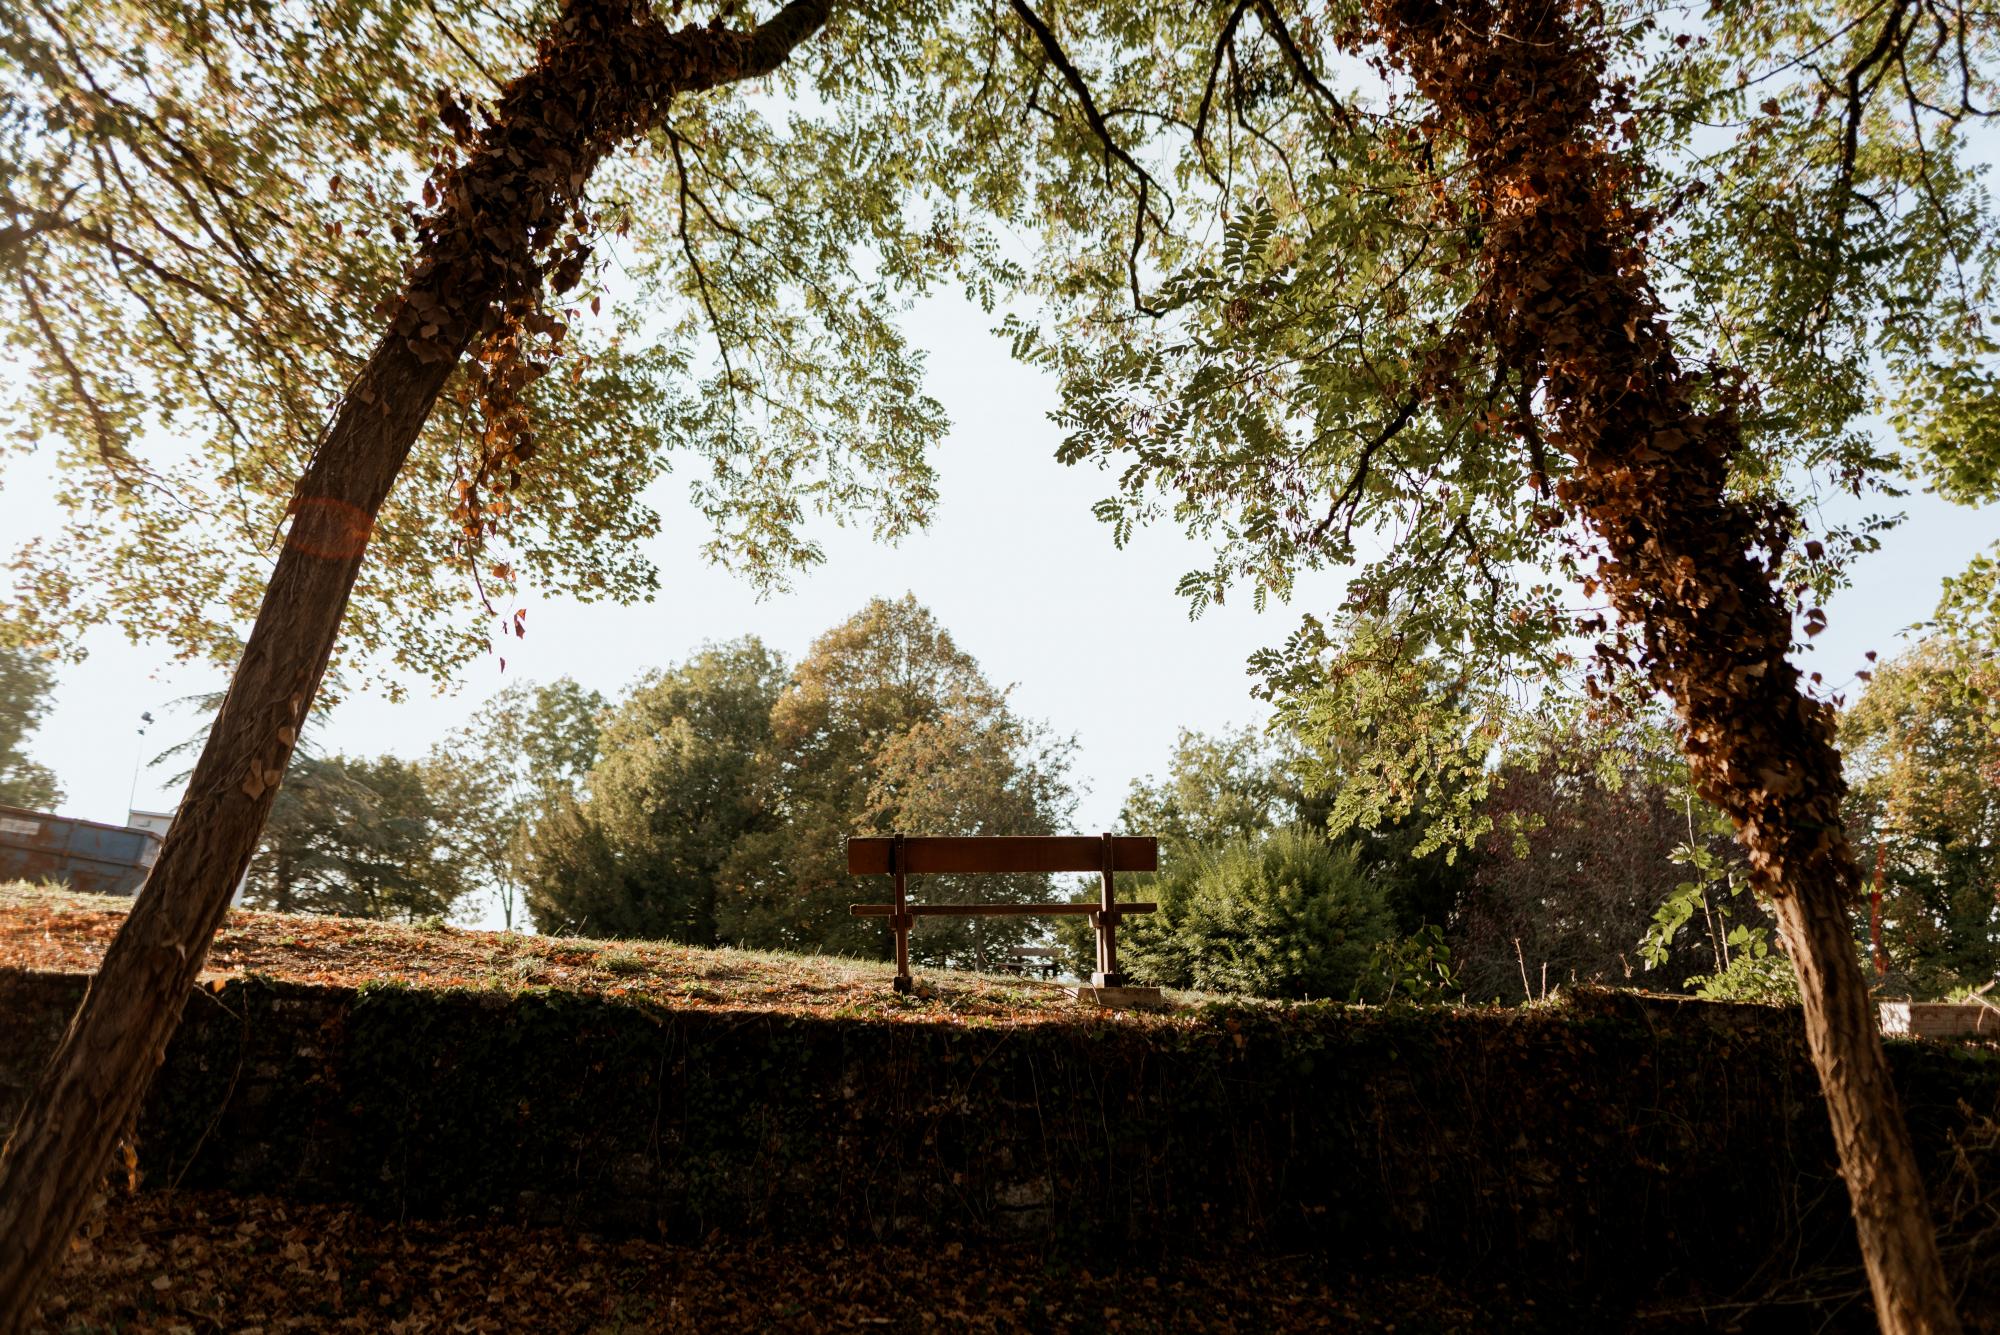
(82, 854)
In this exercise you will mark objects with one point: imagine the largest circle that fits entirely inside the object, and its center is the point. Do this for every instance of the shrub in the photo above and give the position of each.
(1286, 915)
(1766, 978)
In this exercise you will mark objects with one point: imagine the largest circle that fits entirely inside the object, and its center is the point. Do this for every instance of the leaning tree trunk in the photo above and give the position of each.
(1565, 302)
(600, 78)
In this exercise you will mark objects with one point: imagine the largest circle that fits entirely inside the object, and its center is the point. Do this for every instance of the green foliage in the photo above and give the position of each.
(1834, 242)
(1415, 968)
(1244, 784)
(1422, 890)
(1835, 251)
(1735, 926)
(319, 815)
(1765, 977)
(723, 790)
(672, 792)
(1232, 785)
(26, 683)
(1385, 728)
(1285, 914)
(203, 208)
(1923, 751)
(226, 187)
(1228, 786)
(1969, 607)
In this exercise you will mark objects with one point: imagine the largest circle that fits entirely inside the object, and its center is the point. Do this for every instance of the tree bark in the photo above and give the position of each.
(601, 76)
(1692, 571)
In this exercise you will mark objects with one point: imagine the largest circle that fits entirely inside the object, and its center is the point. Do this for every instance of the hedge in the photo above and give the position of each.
(1609, 1149)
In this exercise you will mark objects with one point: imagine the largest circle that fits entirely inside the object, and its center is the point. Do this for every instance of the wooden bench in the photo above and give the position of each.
(904, 856)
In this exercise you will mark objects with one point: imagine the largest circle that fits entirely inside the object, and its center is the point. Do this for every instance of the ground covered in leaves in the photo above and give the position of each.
(54, 930)
(192, 1263)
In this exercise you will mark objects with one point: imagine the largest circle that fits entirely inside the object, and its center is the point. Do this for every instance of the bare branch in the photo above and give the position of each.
(701, 274)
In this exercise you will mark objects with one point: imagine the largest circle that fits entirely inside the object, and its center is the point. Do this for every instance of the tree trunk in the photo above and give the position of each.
(1891, 1206)
(600, 77)
(1565, 303)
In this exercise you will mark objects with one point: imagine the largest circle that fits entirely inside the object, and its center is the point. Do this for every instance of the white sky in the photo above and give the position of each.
(1014, 565)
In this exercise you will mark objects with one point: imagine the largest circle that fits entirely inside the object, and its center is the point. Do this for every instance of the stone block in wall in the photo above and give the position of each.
(1941, 1019)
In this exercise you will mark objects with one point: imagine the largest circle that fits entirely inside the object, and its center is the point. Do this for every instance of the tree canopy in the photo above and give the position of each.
(1923, 746)
(239, 188)
(1241, 264)
(887, 724)
(1832, 246)
(638, 848)
(521, 755)
(359, 838)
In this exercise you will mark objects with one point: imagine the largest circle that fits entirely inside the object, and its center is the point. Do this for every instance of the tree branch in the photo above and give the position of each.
(1888, 43)
(15, 236)
(1350, 495)
(1222, 42)
(1282, 34)
(1112, 149)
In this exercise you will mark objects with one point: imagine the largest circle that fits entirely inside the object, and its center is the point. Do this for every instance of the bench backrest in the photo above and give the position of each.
(1000, 854)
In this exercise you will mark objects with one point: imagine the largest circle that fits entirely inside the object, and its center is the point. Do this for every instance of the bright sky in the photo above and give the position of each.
(1015, 566)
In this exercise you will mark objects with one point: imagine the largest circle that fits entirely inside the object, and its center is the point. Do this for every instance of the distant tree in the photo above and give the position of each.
(886, 725)
(321, 815)
(522, 755)
(359, 839)
(480, 812)
(670, 796)
(1401, 741)
(1591, 824)
(25, 687)
(1424, 889)
(1923, 754)
(1227, 785)
(1241, 784)
(408, 867)
(1286, 913)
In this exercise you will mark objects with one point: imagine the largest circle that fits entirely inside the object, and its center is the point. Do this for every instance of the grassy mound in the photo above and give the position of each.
(54, 930)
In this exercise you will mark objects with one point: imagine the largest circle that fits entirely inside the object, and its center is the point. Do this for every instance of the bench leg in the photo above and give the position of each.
(1106, 974)
(900, 924)
(1106, 921)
